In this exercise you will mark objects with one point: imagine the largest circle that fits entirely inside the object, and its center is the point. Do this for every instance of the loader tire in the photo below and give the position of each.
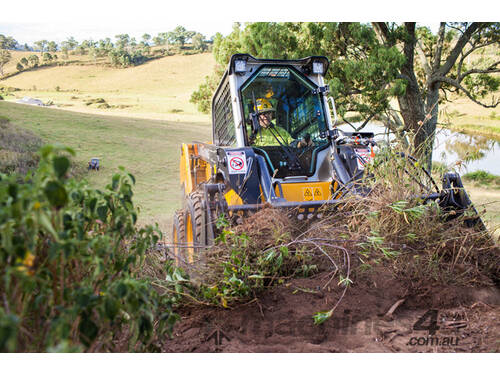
(178, 236)
(195, 224)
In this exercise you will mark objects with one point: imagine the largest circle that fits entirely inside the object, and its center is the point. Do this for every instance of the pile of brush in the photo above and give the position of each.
(390, 227)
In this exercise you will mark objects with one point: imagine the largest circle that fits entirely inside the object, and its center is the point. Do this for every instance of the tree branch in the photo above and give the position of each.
(445, 95)
(491, 69)
(439, 47)
(458, 86)
(382, 31)
(423, 59)
(474, 48)
(452, 58)
(455, 28)
(365, 122)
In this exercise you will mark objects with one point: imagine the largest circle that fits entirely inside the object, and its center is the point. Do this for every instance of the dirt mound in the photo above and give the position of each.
(281, 320)
(388, 276)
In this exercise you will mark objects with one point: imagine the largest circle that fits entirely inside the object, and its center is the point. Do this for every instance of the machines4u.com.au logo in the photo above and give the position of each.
(429, 322)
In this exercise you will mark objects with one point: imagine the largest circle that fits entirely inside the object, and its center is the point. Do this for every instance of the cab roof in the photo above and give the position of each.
(305, 64)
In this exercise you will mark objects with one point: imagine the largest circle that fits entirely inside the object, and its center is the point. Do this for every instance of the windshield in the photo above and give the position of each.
(290, 117)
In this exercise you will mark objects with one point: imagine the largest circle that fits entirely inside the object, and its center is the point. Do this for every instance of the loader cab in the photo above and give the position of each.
(284, 119)
(279, 109)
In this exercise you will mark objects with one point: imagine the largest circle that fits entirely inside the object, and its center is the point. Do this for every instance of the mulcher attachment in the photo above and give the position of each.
(455, 201)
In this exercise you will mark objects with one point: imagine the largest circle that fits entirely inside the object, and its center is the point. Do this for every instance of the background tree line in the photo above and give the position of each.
(373, 66)
(123, 52)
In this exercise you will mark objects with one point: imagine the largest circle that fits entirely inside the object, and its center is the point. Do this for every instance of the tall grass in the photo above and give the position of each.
(17, 148)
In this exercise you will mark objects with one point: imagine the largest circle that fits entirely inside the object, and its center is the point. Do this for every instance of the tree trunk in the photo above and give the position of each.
(411, 103)
(430, 124)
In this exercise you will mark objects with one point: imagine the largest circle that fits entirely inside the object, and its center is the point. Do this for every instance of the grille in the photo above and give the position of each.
(224, 132)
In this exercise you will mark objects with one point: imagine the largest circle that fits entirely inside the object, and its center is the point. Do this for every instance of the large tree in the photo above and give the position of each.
(52, 46)
(198, 41)
(7, 42)
(436, 65)
(122, 41)
(41, 45)
(180, 35)
(69, 43)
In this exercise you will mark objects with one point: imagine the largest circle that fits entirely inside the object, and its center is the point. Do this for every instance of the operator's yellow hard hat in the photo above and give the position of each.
(263, 105)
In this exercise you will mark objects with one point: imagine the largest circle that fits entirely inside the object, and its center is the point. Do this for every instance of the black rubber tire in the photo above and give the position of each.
(178, 236)
(195, 218)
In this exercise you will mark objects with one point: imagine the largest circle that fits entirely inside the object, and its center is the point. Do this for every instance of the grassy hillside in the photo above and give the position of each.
(149, 149)
(159, 89)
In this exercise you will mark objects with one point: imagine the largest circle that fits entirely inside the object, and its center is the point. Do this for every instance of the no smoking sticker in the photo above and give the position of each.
(366, 155)
(237, 162)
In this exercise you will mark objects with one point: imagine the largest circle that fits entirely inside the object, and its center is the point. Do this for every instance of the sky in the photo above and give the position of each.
(28, 20)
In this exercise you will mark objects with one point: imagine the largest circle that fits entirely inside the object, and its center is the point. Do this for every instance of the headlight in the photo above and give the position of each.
(240, 66)
(318, 67)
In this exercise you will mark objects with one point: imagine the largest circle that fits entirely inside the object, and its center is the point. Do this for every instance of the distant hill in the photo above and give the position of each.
(158, 89)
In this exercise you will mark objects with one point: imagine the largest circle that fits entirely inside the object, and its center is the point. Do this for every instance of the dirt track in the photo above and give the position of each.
(281, 320)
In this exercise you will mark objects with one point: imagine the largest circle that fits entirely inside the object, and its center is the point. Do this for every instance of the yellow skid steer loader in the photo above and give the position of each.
(274, 144)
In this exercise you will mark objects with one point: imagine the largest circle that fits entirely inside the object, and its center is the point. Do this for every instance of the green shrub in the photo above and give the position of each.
(203, 96)
(70, 264)
(124, 58)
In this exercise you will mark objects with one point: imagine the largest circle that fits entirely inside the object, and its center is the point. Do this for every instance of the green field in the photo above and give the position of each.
(149, 149)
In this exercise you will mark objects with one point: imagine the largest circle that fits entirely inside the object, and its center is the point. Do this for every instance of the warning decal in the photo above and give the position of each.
(318, 194)
(308, 194)
(237, 162)
(312, 194)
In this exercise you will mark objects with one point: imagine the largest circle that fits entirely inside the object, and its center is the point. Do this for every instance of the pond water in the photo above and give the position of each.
(476, 152)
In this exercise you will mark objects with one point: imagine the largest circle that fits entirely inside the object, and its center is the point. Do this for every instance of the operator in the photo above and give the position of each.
(266, 116)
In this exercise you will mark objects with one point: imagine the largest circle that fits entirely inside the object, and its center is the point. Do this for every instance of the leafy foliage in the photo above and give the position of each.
(7, 42)
(241, 265)
(124, 58)
(5, 57)
(70, 264)
(202, 97)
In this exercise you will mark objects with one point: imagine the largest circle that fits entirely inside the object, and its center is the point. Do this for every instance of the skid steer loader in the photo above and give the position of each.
(274, 143)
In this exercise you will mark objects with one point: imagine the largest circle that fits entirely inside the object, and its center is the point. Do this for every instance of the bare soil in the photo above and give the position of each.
(280, 320)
